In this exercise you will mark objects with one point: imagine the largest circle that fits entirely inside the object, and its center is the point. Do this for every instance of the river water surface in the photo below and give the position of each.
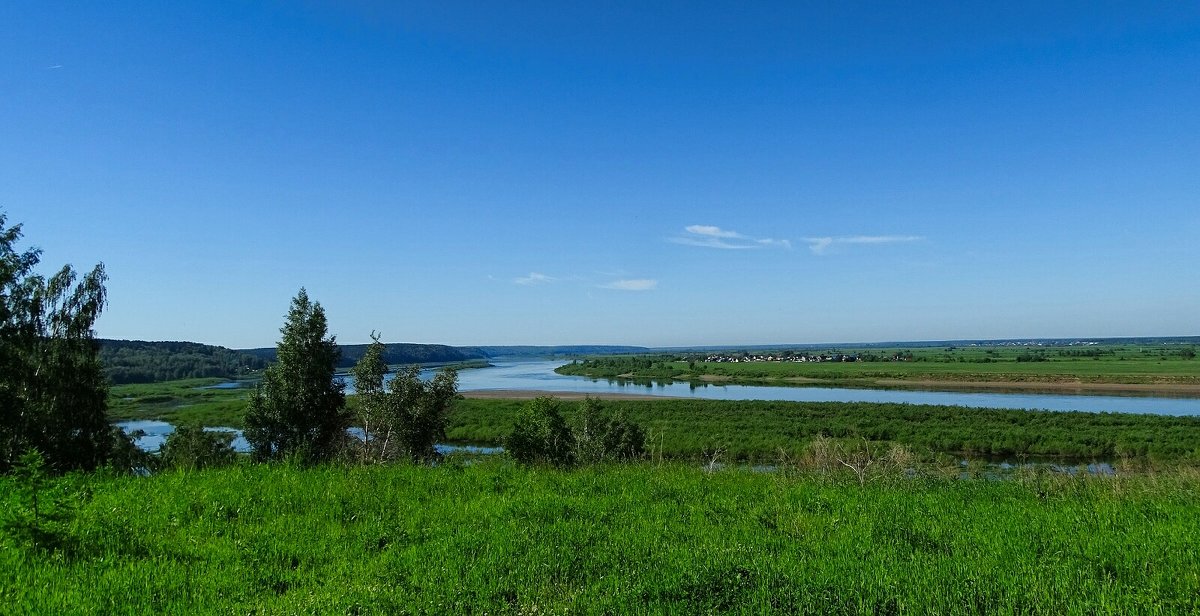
(540, 376)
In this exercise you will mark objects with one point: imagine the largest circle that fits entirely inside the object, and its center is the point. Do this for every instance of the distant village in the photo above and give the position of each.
(795, 357)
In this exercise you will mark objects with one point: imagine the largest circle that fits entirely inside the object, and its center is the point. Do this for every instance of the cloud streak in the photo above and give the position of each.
(534, 278)
(632, 284)
(709, 236)
(821, 245)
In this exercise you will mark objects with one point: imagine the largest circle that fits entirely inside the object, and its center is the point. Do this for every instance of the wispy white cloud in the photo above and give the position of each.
(820, 245)
(534, 278)
(54, 66)
(709, 236)
(711, 231)
(632, 284)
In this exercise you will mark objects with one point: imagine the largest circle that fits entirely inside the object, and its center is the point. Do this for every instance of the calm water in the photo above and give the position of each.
(158, 431)
(539, 375)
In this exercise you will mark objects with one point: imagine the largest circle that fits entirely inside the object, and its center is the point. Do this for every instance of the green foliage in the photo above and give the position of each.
(371, 407)
(52, 388)
(135, 361)
(603, 437)
(40, 516)
(408, 417)
(298, 410)
(126, 457)
(540, 435)
(496, 538)
(420, 411)
(194, 448)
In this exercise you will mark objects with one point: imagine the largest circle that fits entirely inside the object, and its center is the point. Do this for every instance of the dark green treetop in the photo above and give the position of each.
(299, 409)
(52, 387)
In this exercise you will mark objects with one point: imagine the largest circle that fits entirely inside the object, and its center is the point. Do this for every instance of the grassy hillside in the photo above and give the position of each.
(494, 538)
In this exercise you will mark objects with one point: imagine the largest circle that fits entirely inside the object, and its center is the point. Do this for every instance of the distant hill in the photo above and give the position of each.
(543, 351)
(409, 353)
(139, 361)
(396, 353)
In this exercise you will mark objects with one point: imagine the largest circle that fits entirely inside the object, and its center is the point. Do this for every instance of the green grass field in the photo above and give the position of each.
(1114, 364)
(764, 431)
(637, 539)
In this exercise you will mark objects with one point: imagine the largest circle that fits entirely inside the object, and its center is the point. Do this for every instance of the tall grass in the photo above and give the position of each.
(495, 538)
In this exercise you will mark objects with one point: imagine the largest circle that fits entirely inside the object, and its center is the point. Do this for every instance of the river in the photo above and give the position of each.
(540, 376)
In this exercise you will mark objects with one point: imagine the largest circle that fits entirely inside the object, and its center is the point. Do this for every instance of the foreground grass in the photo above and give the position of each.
(494, 538)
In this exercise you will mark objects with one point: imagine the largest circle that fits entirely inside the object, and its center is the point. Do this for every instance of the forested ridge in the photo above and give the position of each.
(138, 361)
(396, 353)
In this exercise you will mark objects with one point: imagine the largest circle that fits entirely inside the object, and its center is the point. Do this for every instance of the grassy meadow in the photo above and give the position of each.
(1146, 365)
(762, 430)
(491, 537)
(767, 430)
(193, 401)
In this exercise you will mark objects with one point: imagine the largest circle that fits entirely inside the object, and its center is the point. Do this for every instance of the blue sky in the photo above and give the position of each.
(691, 173)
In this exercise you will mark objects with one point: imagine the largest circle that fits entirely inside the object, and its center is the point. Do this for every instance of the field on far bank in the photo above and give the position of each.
(495, 538)
(1168, 369)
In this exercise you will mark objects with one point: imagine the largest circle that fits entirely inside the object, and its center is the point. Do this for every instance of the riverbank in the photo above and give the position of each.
(1124, 370)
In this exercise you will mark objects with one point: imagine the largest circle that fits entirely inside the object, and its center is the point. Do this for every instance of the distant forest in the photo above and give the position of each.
(136, 361)
(395, 353)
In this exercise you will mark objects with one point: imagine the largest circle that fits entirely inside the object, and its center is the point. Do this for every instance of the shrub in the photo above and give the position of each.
(193, 448)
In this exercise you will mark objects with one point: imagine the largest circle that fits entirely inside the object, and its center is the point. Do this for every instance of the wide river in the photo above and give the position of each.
(540, 376)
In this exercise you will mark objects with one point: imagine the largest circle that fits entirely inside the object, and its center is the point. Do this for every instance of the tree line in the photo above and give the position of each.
(53, 389)
(137, 361)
